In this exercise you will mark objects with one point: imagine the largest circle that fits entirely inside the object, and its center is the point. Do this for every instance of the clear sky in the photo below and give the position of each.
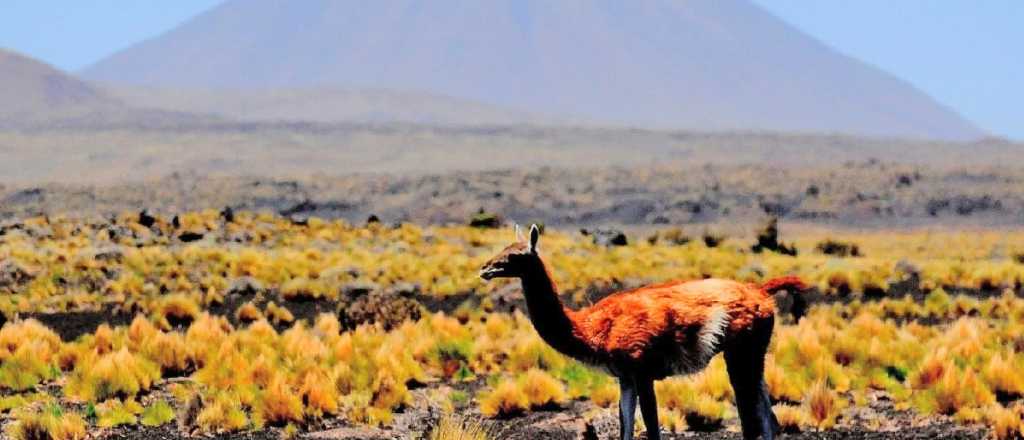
(969, 55)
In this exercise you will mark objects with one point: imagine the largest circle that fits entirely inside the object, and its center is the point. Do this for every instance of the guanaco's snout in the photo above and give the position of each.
(493, 269)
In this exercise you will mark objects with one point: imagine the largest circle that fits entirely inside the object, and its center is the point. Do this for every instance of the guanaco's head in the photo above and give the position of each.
(514, 260)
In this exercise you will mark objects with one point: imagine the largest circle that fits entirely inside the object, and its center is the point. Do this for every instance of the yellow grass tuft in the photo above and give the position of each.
(15, 334)
(792, 418)
(207, 331)
(713, 381)
(170, 352)
(103, 339)
(605, 395)
(1006, 423)
(32, 362)
(120, 373)
(48, 423)
(932, 369)
(505, 400)
(141, 330)
(960, 390)
(452, 428)
(705, 413)
(280, 403)
(278, 314)
(542, 390)
(157, 414)
(114, 412)
(1004, 376)
(176, 308)
(320, 393)
(224, 413)
(823, 405)
(672, 421)
(781, 385)
(303, 289)
(248, 312)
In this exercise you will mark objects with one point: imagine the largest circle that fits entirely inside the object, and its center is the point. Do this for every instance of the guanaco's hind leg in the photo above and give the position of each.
(627, 407)
(648, 407)
(745, 362)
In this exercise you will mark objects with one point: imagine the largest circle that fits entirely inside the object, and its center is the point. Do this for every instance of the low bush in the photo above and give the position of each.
(117, 374)
(158, 413)
(823, 405)
(248, 312)
(48, 423)
(453, 428)
(838, 248)
(115, 412)
(792, 418)
(506, 399)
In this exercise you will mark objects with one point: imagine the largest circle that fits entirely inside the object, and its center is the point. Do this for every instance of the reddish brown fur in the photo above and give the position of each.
(791, 283)
(627, 323)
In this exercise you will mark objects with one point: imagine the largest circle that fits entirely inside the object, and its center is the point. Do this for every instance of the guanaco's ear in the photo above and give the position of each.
(519, 234)
(534, 236)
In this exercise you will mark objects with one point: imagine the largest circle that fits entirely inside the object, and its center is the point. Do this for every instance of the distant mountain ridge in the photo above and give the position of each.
(38, 96)
(30, 89)
(35, 95)
(709, 65)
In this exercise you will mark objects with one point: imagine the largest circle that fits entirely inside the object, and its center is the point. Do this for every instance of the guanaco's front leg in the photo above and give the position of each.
(648, 407)
(627, 407)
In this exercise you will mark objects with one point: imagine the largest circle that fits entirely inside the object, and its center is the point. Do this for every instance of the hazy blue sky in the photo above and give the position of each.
(969, 55)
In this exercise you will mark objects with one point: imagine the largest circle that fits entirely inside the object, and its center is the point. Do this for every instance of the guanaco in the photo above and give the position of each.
(647, 334)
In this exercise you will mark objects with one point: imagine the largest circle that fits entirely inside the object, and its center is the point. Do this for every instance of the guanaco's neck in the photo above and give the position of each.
(553, 321)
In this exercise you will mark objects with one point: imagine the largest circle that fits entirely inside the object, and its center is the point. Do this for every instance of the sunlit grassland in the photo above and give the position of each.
(937, 354)
(75, 265)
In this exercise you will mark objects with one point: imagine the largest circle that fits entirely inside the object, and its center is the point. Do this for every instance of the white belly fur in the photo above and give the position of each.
(692, 358)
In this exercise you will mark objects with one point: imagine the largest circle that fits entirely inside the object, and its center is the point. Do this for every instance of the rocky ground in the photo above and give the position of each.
(582, 421)
(861, 194)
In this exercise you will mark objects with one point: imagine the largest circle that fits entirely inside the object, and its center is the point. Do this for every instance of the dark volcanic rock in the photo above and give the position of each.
(188, 237)
(146, 219)
(227, 214)
(109, 254)
(357, 289)
(607, 237)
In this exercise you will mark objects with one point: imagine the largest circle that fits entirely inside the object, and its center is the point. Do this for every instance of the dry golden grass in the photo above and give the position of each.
(454, 428)
(823, 405)
(248, 312)
(1007, 423)
(298, 263)
(506, 399)
(1004, 374)
(48, 423)
(542, 390)
(947, 355)
(278, 314)
(792, 418)
(120, 373)
(224, 413)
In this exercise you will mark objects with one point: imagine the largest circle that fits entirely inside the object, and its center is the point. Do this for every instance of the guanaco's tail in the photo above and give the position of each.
(789, 283)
